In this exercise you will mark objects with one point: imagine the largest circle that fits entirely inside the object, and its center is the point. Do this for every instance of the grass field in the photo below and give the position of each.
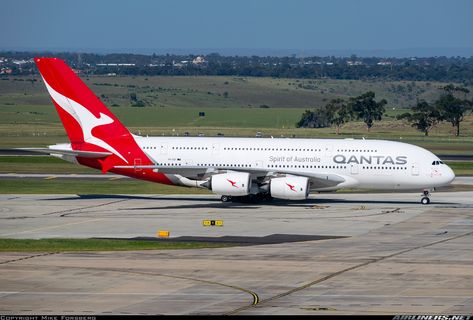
(209, 91)
(81, 186)
(251, 105)
(72, 245)
(129, 186)
(43, 133)
(28, 118)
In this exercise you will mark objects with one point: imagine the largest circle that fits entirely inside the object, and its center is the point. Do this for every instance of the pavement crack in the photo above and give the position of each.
(65, 213)
(29, 257)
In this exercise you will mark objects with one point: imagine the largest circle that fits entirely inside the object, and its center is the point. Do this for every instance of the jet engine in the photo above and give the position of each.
(289, 187)
(231, 183)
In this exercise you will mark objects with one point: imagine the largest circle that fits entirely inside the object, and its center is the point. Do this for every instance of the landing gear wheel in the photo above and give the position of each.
(226, 198)
(425, 197)
(425, 200)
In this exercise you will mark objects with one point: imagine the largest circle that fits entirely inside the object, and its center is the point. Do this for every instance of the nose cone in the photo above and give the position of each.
(448, 175)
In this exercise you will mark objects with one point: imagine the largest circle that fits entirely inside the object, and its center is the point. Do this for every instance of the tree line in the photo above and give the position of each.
(444, 69)
(451, 106)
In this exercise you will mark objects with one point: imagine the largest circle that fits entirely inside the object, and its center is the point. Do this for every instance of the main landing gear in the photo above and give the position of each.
(226, 198)
(425, 197)
(251, 198)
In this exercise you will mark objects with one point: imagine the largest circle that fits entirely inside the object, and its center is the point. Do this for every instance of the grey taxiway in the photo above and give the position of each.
(379, 253)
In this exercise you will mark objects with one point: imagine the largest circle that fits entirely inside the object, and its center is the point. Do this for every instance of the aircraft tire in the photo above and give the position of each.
(226, 198)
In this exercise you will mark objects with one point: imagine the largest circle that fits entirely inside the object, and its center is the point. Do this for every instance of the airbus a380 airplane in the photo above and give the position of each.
(231, 167)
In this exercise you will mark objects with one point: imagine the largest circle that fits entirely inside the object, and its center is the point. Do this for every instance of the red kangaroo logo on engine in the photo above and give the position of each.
(233, 183)
(291, 186)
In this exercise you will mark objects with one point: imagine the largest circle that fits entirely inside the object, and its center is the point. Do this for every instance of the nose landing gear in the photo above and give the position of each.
(425, 197)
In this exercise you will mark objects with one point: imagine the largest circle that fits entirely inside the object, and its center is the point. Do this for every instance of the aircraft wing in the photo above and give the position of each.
(76, 153)
(321, 180)
(187, 171)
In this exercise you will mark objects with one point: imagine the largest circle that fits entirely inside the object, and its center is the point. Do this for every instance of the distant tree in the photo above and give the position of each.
(424, 117)
(452, 108)
(450, 88)
(314, 119)
(339, 112)
(135, 102)
(366, 108)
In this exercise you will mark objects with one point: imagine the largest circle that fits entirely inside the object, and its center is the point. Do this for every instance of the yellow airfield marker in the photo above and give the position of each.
(162, 234)
(212, 223)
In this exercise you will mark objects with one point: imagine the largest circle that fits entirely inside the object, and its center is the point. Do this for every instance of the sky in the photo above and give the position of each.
(300, 26)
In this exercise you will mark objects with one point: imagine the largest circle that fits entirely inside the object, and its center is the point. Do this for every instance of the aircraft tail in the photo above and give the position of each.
(89, 124)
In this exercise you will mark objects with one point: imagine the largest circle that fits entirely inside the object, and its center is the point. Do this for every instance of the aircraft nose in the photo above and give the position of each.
(449, 175)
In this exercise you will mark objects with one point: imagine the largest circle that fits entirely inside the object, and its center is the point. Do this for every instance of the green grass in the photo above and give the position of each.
(461, 168)
(208, 91)
(40, 164)
(29, 119)
(44, 117)
(79, 186)
(73, 245)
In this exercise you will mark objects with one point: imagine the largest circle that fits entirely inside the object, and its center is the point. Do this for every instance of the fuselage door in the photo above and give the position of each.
(415, 169)
(258, 164)
(188, 162)
(328, 149)
(354, 168)
(215, 148)
(163, 148)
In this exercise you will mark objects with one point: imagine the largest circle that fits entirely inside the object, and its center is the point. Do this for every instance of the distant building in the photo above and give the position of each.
(198, 60)
(20, 62)
(354, 63)
(115, 64)
(177, 64)
(6, 71)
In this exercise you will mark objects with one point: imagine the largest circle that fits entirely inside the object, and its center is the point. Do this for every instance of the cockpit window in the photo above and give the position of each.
(436, 163)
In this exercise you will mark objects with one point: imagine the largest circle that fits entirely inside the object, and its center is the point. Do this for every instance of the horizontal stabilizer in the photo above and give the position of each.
(76, 153)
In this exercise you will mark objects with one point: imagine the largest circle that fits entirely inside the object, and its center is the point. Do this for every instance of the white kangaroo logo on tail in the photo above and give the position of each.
(86, 119)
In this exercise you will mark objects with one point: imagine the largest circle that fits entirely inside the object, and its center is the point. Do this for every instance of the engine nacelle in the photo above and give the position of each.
(289, 187)
(231, 183)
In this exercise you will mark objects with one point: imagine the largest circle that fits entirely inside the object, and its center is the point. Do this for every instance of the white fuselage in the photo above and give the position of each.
(372, 164)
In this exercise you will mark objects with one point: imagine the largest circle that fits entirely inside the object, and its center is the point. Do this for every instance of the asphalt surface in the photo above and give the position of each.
(334, 254)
